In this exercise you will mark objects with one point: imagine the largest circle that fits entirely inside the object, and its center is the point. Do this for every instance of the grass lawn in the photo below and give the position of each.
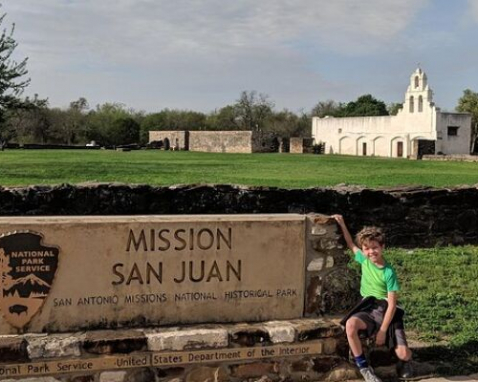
(25, 167)
(439, 286)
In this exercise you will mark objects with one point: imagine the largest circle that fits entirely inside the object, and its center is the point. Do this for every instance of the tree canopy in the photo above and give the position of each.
(12, 80)
(468, 103)
(364, 106)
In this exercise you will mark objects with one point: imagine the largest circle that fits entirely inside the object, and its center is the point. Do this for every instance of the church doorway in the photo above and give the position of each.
(425, 147)
(167, 144)
(400, 149)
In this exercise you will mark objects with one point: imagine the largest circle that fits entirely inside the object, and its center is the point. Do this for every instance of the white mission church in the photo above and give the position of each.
(418, 128)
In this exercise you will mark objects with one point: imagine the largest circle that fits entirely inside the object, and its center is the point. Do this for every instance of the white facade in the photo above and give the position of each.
(418, 128)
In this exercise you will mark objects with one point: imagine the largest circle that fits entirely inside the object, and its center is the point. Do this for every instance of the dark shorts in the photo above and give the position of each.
(373, 318)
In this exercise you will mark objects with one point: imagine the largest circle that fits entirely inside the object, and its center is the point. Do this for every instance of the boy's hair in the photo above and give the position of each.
(368, 234)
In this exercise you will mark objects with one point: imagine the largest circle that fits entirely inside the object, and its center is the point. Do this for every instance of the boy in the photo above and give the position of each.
(377, 313)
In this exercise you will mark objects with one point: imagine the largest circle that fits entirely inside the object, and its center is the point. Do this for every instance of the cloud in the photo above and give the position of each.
(133, 29)
(473, 5)
(183, 42)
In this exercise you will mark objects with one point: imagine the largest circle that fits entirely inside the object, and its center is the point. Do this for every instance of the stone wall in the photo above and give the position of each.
(300, 145)
(411, 217)
(233, 142)
(452, 158)
(177, 139)
(221, 141)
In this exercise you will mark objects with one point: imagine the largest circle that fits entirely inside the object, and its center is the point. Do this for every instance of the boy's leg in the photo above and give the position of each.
(402, 350)
(352, 327)
(360, 321)
(404, 354)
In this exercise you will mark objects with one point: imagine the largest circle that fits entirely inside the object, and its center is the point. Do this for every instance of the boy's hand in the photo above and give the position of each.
(380, 338)
(339, 219)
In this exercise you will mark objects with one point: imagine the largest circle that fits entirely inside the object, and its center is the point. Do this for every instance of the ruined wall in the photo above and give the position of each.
(179, 139)
(221, 141)
(420, 216)
(300, 145)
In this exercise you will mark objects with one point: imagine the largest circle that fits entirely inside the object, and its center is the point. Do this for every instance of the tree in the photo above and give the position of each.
(327, 108)
(100, 120)
(29, 124)
(252, 110)
(364, 106)
(394, 107)
(168, 119)
(124, 131)
(288, 124)
(224, 119)
(468, 103)
(12, 81)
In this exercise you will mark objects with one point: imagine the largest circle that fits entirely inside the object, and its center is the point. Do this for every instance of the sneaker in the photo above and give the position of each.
(369, 375)
(405, 370)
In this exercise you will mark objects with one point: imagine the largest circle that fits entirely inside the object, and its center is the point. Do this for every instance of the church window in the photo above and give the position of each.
(411, 104)
(453, 131)
(417, 82)
(364, 148)
(420, 104)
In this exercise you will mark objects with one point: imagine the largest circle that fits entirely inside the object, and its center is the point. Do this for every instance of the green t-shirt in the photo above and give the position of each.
(376, 282)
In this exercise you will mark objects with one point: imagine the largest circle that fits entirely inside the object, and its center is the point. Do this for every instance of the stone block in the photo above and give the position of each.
(248, 335)
(313, 291)
(303, 365)
(113, 376)
(110, 342)
(169, 373)
(325, 364)
(280, 331)
(83, 378)
(344, 372)
(329, 263)
(318, 231)
(340, 290)
(316, 265)
(13, 349)
(255, 369)
(140, 375)
(207, 374)
(317, 329)
(54, 346)
(40, 379)
(187, 339)
(264, 378)
(328, 244)
(330, 346)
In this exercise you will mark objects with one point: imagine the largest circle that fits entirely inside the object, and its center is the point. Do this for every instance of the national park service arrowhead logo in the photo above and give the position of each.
(27, 269)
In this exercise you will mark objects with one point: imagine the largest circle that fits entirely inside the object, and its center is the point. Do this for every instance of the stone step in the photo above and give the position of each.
(294, 350)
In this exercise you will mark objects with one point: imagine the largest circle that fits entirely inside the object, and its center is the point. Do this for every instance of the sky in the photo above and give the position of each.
(201, 54)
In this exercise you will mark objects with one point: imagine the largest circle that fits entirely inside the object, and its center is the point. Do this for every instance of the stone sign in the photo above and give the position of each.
(73, 273)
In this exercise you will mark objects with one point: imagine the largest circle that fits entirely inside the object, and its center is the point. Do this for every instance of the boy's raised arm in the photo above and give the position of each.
(348, 238)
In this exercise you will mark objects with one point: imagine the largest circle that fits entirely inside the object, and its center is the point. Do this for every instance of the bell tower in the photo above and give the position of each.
(418, 95)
